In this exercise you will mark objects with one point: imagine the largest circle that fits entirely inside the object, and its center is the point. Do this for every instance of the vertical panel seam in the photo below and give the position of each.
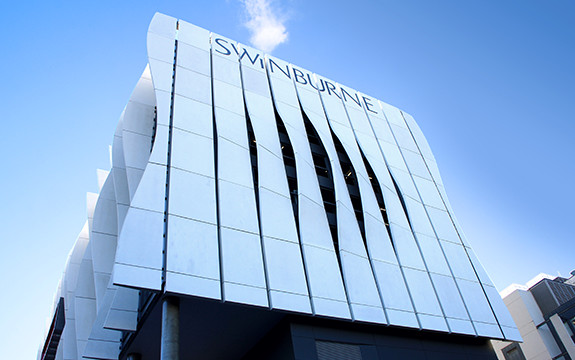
(216, 177)
(169, 164)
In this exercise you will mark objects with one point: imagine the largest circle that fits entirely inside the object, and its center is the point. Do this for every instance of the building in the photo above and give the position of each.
(544, 311)
(257, 210)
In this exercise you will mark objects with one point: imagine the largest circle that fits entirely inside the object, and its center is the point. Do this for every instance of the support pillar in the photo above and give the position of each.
(170, 344)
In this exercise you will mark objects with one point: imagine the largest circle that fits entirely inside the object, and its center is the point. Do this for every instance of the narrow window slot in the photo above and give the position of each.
(350, 177)
(378, 195)
(290, 166)
(325, 180)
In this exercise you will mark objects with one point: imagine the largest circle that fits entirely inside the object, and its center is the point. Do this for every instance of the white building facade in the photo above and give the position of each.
(238, 179)
(544, 311)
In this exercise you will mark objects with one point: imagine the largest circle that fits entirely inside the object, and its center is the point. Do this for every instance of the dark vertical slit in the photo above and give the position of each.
(252, 145)
(168, 167)
(217, 187)
(288, 156)
(325, 180)
(254, 163)
(253, 159)
(289, 161)
(401, 200)
(289, 165)
(154, 127)
(351, 181)
(378, 195)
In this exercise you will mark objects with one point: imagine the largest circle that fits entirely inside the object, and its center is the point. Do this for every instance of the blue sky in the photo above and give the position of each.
(491, 84)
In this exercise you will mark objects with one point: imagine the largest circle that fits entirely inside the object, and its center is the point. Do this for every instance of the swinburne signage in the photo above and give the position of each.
(223, 46)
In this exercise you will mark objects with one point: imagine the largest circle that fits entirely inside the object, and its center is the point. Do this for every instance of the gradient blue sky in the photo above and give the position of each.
(491, 84)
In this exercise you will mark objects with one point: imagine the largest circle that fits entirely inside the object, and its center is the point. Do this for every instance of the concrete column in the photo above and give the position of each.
(170, 345)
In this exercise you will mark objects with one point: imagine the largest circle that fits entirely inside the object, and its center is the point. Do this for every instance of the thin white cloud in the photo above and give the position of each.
(266, 27)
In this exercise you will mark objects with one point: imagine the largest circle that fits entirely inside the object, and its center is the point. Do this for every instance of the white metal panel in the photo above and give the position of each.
(458, 261)
(193, 85)
(418, 217)
(420, 140)
(488, 330)
(163, 25)
(151, 189)
(323, 273)
(459, 326)
(476, 303)
(226, 69)
(162, 74)
(255, 81)
(404, 182)
(406, 248)
(378, 241)
(193, 58)
(422, 292)
(237, 207)
(139, 253)
(246, 269)
(85, 302)
(136, 149)
(429, 193)
(192, 196)
(449, 297)
(326, 286)
(433, 255)
(193, 116)
(231, 126)
(433, 322)
(123, 314)
(511, 333)
(349, 236)
(443, 225)
(192, 153)
(159, 154)
(193, 35)
(289, 301)
(160, 47)
(184, 284)
(242, 274)
(103, 343)
(480, 271)
(234, 163)
(403, 138)
(402, 318)
(271, 173)
(285, 272)
(192, 251)
(392, 155)
(361, 288)
(501, 312)
(416, 165)
(243, 294)
(276, 215)
(356, 269)
(392, 285)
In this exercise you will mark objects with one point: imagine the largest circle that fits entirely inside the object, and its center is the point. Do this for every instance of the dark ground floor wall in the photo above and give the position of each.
(298, 338)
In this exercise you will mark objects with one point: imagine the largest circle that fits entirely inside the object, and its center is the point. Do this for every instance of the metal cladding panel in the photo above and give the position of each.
(355, 264)
(244, 278)
(320, 261)
(203, 199)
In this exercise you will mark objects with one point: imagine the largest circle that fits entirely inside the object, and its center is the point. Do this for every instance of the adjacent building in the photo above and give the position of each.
(257, 210)
(544, 311)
